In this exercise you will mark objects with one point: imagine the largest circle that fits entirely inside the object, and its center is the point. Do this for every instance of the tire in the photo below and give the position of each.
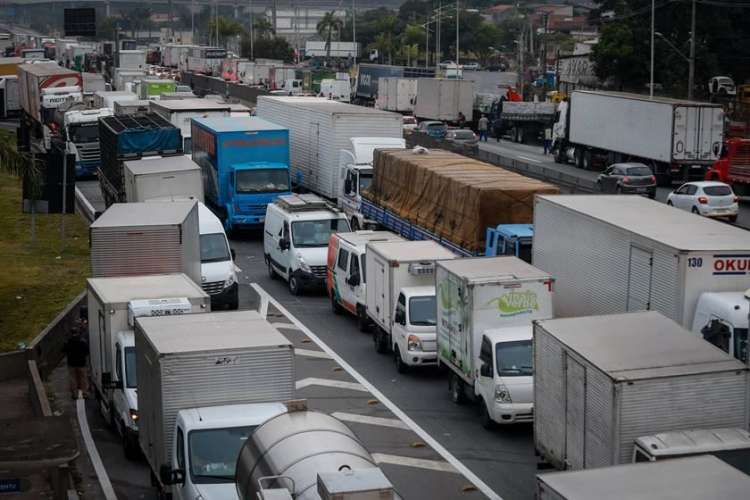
(355, 224)
(335, 306)
(732, 219)
(271, 273)
(695, 210)
(455, 386)
(363, 322)
(381, 345)
(559, 155)
(294, 286)
(669, 203)
(401, 367)
(587, 160)
(618, 190)
(234, 302)
(484, 416)
(578, 157)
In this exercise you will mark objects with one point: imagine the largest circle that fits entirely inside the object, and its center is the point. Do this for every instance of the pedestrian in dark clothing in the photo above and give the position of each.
(76, 351)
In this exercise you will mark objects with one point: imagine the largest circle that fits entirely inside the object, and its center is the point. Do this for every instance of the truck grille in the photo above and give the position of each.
(319, 271)
(429, 346)
(89, 153)
(213, 287)
(252, 209)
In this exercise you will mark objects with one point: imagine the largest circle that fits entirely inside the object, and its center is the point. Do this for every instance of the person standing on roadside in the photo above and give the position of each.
(76, 351)
(482, 126)
(547, 140)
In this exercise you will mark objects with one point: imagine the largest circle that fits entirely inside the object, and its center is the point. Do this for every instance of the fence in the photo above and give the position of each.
(203, 84)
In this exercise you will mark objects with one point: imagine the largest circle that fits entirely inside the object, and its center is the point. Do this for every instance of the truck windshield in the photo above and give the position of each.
(262, 181)
(316, 233)
(422, 311)
(131, 382)
(84, 133)
(364, 181)
(514, 358)
(214, 248)
(214, 452)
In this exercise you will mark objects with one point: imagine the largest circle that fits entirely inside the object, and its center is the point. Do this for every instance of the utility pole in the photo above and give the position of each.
(273, 18)
(427, 44)
(192, 21)
(458, 51)
(252, 35)
(437, 37)
(691, 67)
(216, 21)
(354, 30)
(651, 82)
(520, 61)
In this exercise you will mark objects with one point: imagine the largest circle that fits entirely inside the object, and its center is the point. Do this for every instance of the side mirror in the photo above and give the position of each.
(486, 370)
(400, 318)
(284, 244)
(353, 280)
(348, 185)
(233, 253)
(169, 476)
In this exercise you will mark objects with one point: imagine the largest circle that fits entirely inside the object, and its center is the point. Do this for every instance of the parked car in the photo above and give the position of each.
(433, 128)
(722, 85)
(461, 136)
(707, 198)
(410, 123)
(472, 66)
(628, 178)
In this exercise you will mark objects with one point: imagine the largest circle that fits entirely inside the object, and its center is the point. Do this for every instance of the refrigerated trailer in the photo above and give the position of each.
(397, 94)
(444, 99)
(318, 130)
(677, 139)
(628, 253)
(601, 382)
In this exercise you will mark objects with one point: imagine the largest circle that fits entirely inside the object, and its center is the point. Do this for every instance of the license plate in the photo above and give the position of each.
(640, 190)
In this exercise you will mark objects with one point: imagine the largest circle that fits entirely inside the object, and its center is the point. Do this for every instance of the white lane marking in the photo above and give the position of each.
(288, 326)
(263, 306)
(96, 460)
(366, 419)
(325, 382)
(448, 456)
(419, 463)
(311, 354)
(529, 159)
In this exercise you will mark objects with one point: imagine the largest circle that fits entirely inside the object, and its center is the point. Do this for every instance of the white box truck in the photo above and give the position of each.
(443, 99)
(131, 239)
(169, 178)
(205, 381)
(11, 104)
(400, 299)
(680, 139)
(124, 77)
(113, 304)
(396, 94)
(318, 130)
(107, 99)
(694, 478)
(131, 60)
(600, 382)
(627, 253)
(484, 310)
(180, 112)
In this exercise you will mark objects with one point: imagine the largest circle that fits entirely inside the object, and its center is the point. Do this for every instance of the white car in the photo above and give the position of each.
(410, 123)
(707, 198)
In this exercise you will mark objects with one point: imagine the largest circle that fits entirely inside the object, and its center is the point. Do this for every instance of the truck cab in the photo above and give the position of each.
(295, 239)
(252, 186)
(291, 86)
(82, 138)
(125, 392)
(207, 442)
(413, 332)
(356, 173)
(505, 379)
(510, 239)
(721, 318)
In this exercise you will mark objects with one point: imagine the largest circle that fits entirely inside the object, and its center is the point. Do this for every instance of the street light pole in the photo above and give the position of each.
(354, 30)
(651, 83)
(457, 47)
(252, 35)
(691, 67)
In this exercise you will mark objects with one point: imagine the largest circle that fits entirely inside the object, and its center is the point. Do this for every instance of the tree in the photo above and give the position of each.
(617, 58)
(270, 47)
(386, 27)
(137, 18)
(227, 28)
(486, 38)
(106, 29)
(326, 28)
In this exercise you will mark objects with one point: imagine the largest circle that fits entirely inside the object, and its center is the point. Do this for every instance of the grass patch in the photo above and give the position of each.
(39, 278)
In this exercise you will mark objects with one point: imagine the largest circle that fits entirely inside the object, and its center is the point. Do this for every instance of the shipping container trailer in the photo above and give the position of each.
(444, 99)
(695, 478)
(205, 360)
(600, 382)
(180, 113)
(677, 138)
(397, 94)
(130, 138)
(163, 179)
(131, 239)
(318, 130)
(368, 76)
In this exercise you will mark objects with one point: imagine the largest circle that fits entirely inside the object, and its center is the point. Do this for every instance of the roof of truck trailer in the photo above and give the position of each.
(211, 332)
(238, 124)
(361, 238)
(328, 105)
(411, 251)
(694, 478)
(493, 268)
(639, 345)
(126, 288)
(656, 221)
(46, 69)
(144, 214)
(643, 97)
(192, 104)
(156, 164)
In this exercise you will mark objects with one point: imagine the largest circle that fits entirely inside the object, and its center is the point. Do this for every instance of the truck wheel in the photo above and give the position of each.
(363, 322)
(294, 286)
(335, 306)
(381, 346)
(669, 202)
(234, 302)
(578, 157)
(271, 272)
(732, 218)
(559, 155)
(455, 385)
(587, 160)
(401, 367)
(484, 415)
(129, 448)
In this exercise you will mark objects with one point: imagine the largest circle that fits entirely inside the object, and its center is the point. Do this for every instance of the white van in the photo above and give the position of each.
(295, 238)
(218, 275)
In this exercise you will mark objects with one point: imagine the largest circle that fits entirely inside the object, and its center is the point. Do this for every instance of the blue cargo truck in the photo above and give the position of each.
(245, 166)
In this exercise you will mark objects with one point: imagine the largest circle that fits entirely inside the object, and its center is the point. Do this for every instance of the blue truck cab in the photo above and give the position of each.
(510, 239)
(245, 166)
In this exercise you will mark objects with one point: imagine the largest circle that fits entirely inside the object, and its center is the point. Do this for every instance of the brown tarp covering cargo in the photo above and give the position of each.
(452, 196)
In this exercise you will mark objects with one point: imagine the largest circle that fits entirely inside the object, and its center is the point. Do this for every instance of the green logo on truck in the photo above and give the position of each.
(515, 303)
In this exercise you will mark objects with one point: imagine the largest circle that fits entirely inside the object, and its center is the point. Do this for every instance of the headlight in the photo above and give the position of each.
(229, 281)
(502, 395)
(302, 264)
(414, 344)
(133, 415)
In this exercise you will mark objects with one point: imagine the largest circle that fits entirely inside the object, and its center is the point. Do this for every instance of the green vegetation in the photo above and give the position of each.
(39, 277)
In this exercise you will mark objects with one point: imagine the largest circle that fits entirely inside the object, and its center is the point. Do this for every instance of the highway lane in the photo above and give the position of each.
(534, 154)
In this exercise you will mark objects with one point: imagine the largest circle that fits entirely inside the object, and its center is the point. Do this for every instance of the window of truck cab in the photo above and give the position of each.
(267, 180)
(514, 359)
(213, 453)
(316, 233)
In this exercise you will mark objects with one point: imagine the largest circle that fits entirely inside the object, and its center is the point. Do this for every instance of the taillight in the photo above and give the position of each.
(626, 180)
(702, 200)
(736, 199)
(653, 179)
